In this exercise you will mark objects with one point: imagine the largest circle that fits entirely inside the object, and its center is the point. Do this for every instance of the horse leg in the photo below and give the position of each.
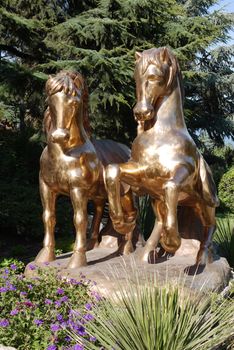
(152, 242)
(113, 175)
(99, 209)
(79, 202)
(129, 211)
(171, 239)
(48, 199)
(207, 216)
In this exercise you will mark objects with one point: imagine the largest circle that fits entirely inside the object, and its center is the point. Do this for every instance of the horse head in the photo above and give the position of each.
(155, 73)
(67, 101)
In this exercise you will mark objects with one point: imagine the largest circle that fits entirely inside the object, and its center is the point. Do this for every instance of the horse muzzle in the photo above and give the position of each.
(60, 136)
(143, 112)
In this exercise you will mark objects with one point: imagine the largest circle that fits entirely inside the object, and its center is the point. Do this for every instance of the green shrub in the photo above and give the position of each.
(226, 190)
(150, 317)
(35, 313)
(224, 238)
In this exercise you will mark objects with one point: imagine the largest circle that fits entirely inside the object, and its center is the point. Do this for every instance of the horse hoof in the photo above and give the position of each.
(78, 259)
(170, 243)
(45, 255)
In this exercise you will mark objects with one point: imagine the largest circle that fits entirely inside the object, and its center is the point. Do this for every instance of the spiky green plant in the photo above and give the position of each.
(224, 238)
(149, 317)
(146, 215)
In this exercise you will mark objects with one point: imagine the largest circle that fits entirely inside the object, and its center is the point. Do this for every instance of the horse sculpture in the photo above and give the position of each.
(165, 162)
(72, 165)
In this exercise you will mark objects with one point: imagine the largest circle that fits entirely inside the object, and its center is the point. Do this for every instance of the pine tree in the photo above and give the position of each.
(99, 38)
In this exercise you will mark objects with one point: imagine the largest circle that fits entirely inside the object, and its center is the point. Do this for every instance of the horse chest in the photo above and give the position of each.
(148, 151)
(66, 172)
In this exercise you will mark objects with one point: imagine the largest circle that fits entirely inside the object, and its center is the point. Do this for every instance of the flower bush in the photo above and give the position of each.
(38, 313)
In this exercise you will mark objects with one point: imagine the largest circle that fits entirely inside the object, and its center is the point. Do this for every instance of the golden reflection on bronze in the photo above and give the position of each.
(73, 165)
(165, 162)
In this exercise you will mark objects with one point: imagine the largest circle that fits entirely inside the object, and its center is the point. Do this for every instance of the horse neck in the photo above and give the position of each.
(78, 137)
(170, 111)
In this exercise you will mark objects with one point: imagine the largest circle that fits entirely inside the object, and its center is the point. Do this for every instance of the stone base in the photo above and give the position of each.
(106, 267)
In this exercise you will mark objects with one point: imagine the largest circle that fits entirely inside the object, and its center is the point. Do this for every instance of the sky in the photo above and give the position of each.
(226, 6)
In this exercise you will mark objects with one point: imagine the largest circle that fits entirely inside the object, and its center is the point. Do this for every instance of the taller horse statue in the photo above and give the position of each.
(72, 165)
(165, 162)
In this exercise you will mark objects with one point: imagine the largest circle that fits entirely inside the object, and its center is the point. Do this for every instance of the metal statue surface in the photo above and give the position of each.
(165, 162)
(72, 165)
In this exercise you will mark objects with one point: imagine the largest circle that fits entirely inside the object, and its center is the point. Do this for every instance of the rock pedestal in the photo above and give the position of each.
(105, 267)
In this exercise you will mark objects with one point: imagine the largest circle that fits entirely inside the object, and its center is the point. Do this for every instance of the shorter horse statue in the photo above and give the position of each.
(72, 165)
(165, 162)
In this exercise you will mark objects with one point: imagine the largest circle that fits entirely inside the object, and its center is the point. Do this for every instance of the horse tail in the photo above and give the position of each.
(207, 186)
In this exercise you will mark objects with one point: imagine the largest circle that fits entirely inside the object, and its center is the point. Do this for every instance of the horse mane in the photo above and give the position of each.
(154, 56)
(68, 82)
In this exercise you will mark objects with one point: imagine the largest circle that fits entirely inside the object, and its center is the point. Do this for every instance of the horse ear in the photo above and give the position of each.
(138, 55)
(170, 78)
(164, 55)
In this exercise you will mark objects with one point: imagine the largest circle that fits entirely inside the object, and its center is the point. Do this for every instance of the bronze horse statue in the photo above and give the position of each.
(73, 165)
(165, 162)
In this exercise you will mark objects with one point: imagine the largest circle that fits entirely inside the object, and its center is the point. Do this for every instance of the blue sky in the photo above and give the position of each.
(226, 6)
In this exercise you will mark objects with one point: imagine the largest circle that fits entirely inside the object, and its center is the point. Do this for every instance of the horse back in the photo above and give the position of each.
(111, 152)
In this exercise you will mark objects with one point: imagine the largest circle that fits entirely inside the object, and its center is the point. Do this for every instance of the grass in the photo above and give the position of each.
(224, 238)
(152, 317)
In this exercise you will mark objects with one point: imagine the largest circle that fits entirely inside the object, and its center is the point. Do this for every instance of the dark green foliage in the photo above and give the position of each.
(146, 216)
(220, 159)
(226, 190)
(224, 238)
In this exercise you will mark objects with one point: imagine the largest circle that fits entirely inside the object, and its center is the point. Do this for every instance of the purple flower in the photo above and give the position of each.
(59, 317)
(32, 267)
(4, 277)
(29, 303)
(14, 312)
(74, 281)
(48, 301)
(13, 267)
(88, 306)
(96, 296)
(74, 312)
(3, 290)
(6, 271)
(30, 286)
(52, 347)
(77, 347)
(64, 299)
(67, 339)
(92, 339)
(60, 291)
(55, 327)
(81, 330)
(23, 294)
(4, 323)
(11, 287)
(88, 317)
(57, 303)
(38, 322)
